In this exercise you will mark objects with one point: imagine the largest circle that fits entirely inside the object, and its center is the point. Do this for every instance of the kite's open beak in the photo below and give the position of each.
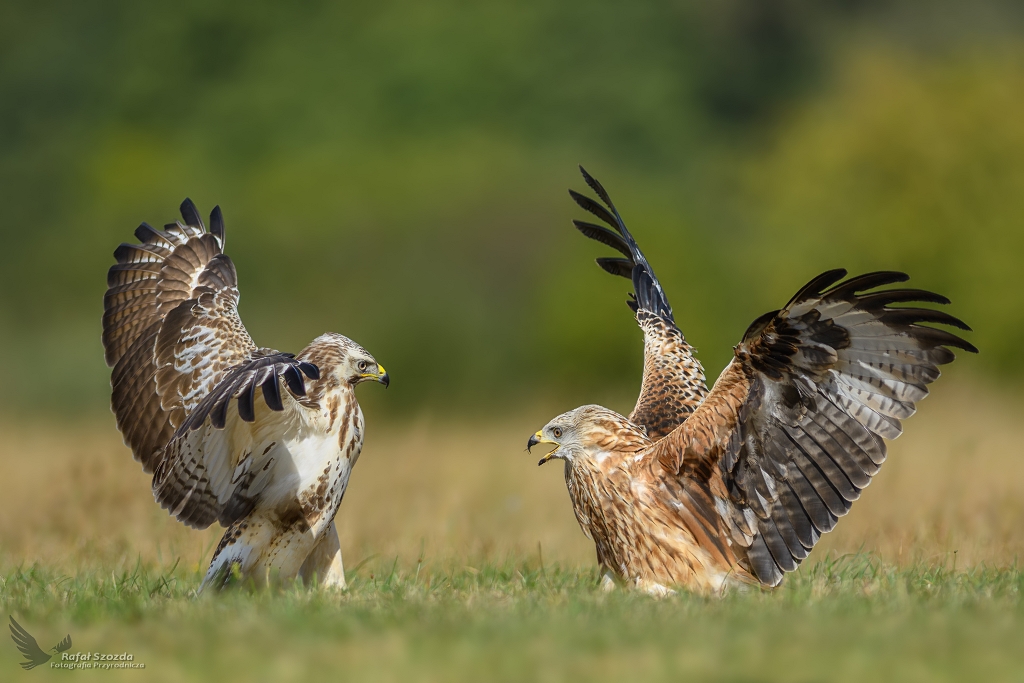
(537, 439)
(381, 375)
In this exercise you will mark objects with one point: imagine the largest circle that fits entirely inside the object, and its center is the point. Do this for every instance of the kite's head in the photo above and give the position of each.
(587, 431)
(348, 361)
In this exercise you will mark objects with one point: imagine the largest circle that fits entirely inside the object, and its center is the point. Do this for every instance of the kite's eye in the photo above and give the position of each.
(362, 366)
(557, 431)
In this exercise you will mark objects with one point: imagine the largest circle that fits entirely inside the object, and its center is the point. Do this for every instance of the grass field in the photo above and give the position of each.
(849, 621)
(466, 565)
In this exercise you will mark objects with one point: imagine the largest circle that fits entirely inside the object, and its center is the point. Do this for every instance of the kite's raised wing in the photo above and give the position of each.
(673, 383)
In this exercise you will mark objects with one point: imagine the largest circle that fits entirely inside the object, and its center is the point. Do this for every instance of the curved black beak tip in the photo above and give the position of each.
(385, 379)
(532, 442)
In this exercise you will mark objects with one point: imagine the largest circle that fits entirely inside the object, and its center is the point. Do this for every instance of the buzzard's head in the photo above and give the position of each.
(350, 362)
(585, 432)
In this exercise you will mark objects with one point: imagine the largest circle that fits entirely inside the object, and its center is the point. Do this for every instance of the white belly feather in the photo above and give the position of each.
(308, 454)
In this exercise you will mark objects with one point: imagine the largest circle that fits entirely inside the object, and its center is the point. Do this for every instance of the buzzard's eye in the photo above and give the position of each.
(362, 366)
(557, 431)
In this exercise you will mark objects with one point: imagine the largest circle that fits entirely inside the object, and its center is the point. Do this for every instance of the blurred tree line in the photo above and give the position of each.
(396, 171)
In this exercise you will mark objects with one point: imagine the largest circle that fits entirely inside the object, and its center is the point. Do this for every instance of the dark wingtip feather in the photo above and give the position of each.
(145, 232)
(968, 346)
(309, 370)
(294, 381)
(218, 416)
(604, 236)
(910, 316)
(590, 206)
(597, 187)
(272, 393)
(217, 224)
(648, 292)
(896, 296)
(862, 283)
(942, 338)
(247, 403)
(818, 284)
(616, 266)
(190, 214)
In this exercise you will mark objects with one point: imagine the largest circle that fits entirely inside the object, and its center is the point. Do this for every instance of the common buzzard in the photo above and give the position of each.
(256, 439)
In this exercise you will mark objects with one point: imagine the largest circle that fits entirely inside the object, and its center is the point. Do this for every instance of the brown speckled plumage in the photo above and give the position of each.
(229, 431)
(735, 486)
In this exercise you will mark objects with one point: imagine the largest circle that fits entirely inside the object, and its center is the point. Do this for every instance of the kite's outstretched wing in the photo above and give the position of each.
(28, 646)
(170, 327)
(794, 428)
(673, 383)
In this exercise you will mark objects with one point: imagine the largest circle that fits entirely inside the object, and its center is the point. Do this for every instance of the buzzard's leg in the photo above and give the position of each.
(607, 582)
(238, 552)
(324, 562)
(261, 549)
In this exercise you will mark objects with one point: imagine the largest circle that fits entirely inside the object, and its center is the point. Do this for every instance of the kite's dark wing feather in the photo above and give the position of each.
(673, 382)
(795, 427)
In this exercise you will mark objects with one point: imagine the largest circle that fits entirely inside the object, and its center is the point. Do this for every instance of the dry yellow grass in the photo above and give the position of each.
(71, 496)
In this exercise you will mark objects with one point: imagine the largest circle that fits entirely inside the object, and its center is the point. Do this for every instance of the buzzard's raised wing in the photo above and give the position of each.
(673, 383)
(219, 460)
(794, 428)
(170, 327)
(180, 353)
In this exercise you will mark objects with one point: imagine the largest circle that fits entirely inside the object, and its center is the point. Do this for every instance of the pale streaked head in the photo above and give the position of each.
(587, 429)
(350, 362)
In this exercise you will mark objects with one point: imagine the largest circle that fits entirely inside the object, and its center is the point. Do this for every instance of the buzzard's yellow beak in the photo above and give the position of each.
(540, 438)
(381, 375)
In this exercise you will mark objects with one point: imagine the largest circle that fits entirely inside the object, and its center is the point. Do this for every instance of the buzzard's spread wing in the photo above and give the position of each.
(219, 460)
(794, 428)
(170, 327)
(673, 384)
(28, 646)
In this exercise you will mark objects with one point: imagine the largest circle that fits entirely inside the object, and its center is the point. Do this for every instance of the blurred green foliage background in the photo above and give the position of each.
(396, 171)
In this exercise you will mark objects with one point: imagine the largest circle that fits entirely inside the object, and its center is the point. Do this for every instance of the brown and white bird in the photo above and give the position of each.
(705, 489)
(256, 439)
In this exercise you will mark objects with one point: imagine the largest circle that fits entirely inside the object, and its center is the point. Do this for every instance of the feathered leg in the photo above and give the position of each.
(324, 563)
(262, 550)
